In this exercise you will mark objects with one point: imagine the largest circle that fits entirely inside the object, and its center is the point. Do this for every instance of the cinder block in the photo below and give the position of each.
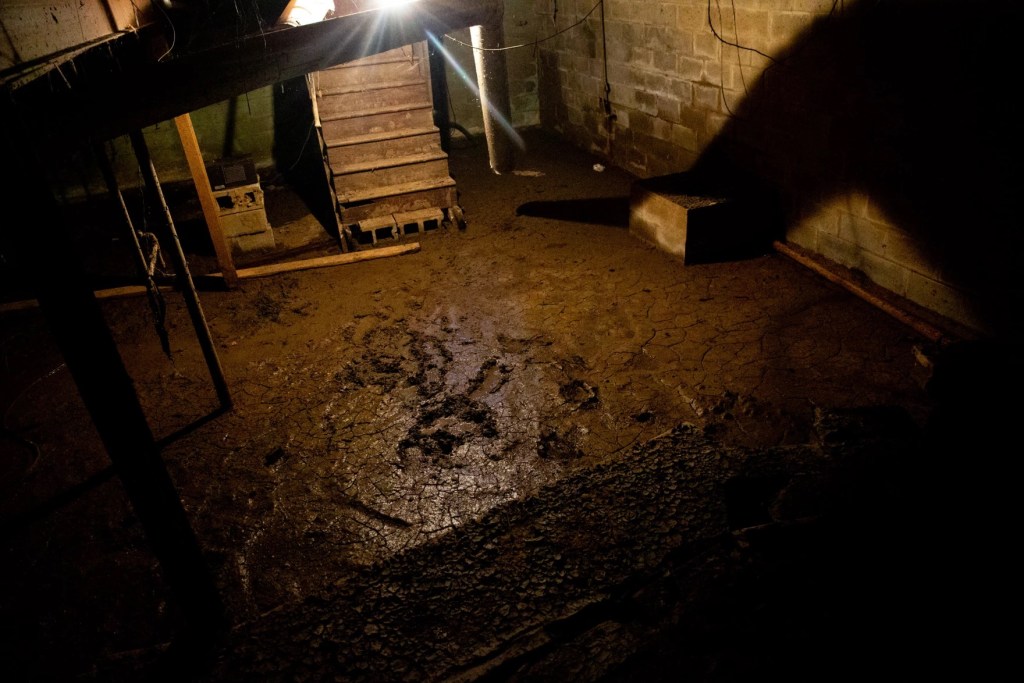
(240, 198)
(944, 300)
(885, 273)
(687, 219)
(243, 218)
(707, 97)
(242, 223)
(257, 242)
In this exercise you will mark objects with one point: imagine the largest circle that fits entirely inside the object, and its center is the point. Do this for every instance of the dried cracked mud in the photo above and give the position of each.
(536, 449)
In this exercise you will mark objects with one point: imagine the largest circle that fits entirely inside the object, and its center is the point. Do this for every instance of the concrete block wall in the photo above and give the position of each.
(243, 126)
(673, 83)
(684, 87)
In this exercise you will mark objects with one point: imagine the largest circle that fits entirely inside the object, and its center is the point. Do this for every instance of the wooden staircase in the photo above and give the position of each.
(382, 151)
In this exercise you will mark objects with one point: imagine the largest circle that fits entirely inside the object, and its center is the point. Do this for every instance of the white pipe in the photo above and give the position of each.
(492, 80)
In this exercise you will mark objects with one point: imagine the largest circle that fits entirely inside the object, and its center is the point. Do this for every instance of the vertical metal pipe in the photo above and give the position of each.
(492, 80)
(153, 294)
(184, 277)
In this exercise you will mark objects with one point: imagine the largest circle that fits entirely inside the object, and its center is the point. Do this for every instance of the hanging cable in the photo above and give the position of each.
(145, 266)
(609, 115)
(600, 3)
(721, 60)
(836, 4)
(604, 55)
(174, 34)
(711, 25)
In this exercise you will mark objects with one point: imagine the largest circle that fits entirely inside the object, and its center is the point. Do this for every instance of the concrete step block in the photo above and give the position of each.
(698, 223)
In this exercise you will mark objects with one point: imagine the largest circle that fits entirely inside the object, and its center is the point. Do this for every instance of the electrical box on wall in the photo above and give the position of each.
(225, 173)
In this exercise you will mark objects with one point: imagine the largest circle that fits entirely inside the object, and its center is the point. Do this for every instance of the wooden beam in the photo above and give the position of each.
(80, 331)
(138, 90)
(211, 211)
(114, 293)
(181, 270)
(246, 273)
(324, 261)
(807, 260)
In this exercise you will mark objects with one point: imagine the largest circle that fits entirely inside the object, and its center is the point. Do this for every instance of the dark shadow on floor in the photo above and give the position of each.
(861, 103)
(613, 211)
(297, 152)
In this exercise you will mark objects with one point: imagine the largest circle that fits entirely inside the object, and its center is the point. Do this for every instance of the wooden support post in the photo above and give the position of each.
(46, 255)
(181, 271)
(211, 211)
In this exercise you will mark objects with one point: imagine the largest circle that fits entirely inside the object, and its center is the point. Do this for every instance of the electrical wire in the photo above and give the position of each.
(174, 34)
(836, 4)
(533, 43)
(839, 5)
(711, 25)
(721, 60)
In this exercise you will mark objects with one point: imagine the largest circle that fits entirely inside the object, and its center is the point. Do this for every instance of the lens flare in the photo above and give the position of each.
(505, 124)
(389, 4)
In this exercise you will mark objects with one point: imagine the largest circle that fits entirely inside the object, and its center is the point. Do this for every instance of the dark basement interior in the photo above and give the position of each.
(522, 340)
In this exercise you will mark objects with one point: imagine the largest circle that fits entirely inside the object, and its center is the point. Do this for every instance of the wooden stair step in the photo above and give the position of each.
(377, 123)
(396, 190)
(369, 74)
(356, 103)
(404, 53)
(391, 162)
(341, 116)
(383, 136)
(445, 196)
(383, 149)
(401, 63)
(357, 183)
(354, 185)
(349, 88)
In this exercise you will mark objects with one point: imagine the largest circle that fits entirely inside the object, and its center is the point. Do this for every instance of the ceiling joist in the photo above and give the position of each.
(123, 85)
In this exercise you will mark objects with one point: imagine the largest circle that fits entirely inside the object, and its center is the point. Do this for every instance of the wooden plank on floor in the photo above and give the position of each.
(323, 261)
(114, 293)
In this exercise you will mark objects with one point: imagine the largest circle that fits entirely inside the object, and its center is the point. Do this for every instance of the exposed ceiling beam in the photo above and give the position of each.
(130, 88)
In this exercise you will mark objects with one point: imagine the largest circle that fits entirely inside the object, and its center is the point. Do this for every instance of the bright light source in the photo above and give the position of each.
(301, 12)
(385, 4)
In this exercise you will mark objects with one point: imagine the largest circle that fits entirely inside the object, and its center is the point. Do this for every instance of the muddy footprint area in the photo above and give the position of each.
(419, 413)
(384, 435)
(375, 424)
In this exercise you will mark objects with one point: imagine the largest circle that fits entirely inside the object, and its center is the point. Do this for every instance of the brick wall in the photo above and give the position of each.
(844, 110)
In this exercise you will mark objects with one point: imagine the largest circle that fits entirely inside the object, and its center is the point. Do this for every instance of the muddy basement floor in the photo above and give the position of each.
(536, 449)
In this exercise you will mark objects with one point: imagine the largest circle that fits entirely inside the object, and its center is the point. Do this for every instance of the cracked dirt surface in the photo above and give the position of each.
(434, 457)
